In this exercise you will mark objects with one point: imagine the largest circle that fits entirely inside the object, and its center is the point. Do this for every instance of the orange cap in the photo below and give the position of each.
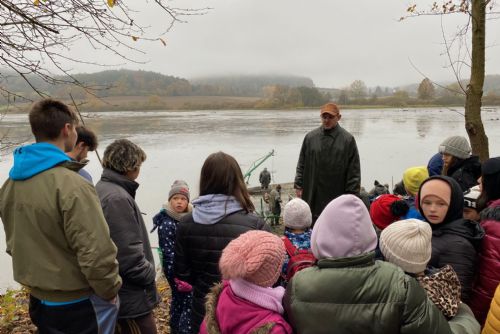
(330, 108)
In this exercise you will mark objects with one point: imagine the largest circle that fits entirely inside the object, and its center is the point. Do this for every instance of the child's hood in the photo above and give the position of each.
(456, 207)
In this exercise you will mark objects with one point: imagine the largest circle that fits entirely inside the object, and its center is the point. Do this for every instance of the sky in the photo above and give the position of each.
(332, 42)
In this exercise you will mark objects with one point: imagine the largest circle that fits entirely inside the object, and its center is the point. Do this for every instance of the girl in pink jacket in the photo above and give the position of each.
(245, 301)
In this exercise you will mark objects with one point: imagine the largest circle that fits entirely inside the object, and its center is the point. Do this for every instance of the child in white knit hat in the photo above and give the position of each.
(407, 244)
(297, 218)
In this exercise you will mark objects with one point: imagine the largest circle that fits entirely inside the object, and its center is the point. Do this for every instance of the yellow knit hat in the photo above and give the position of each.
(413, 178)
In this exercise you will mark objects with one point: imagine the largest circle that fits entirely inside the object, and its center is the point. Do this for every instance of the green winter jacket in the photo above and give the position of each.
(360, 295)
(328, 167)
(57, 236)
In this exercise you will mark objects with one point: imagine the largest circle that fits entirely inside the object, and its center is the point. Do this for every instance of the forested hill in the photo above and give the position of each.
(145, 83)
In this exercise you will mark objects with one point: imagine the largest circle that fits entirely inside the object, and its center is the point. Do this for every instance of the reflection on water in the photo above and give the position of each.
(177, 143)
(424, 125)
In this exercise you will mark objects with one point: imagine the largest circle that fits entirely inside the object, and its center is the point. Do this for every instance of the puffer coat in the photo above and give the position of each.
(488, 276)
(360, 295)
(198, 249)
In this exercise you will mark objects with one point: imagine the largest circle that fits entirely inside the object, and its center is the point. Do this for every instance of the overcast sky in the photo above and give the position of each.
(332, 42)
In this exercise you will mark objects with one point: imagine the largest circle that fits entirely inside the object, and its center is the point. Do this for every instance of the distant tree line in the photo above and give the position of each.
(425, 93)
(272, 91)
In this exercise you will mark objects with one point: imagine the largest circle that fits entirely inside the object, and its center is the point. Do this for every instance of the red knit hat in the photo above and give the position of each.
(384, 212)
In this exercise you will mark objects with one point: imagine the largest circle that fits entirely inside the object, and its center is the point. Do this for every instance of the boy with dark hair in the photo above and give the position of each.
(86, 142)
(56, 232)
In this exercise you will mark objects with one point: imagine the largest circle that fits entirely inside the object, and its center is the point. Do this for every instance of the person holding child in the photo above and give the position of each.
(246, 302)
(455, 240)
(166, 221)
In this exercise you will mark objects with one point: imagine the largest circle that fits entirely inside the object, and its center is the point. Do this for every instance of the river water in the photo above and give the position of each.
(177, 143)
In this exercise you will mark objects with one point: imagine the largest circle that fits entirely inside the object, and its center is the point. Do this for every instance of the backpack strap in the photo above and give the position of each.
(290, 248)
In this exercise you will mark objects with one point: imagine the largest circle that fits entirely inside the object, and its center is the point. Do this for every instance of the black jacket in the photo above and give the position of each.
(138, 295)
(456, 241)
(198, 250)
(328, 167)
(466, 172)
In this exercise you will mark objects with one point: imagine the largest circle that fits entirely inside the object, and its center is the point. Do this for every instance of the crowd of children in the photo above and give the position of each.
(425, 259)
(415, 253)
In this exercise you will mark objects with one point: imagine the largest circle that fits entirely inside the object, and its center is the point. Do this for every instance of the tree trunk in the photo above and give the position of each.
(474, 93)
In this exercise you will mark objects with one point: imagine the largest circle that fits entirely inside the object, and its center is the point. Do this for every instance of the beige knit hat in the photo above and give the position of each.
(407, 244)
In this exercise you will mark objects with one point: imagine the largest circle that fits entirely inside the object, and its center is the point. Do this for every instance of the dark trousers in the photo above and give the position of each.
(144, 324)
(77, 318)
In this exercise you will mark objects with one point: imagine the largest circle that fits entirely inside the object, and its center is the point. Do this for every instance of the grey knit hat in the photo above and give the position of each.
(179, 187)
(456, 146)
(407, 244)
(297, 214)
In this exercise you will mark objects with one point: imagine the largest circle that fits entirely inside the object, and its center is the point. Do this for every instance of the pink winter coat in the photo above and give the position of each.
(230, 314)
(488, 276)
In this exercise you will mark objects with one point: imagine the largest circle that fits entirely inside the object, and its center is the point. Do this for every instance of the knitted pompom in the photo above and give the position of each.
(400, 208)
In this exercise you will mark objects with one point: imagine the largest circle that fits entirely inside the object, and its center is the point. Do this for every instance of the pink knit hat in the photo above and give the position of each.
(255, 256)
(343, 229)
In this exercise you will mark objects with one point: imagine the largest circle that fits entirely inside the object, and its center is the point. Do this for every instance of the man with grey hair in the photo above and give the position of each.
(117, 188)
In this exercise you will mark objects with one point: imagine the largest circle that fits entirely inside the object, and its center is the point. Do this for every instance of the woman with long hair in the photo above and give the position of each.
(221, 213)
(458, 162)
(488, 276)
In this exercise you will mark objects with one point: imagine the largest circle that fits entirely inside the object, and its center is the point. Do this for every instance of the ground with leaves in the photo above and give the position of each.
(14, 317)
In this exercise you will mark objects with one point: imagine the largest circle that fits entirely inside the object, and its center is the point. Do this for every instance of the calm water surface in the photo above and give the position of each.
(177, 143)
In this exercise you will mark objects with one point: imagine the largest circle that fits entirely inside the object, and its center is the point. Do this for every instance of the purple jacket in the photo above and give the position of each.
(228, 313)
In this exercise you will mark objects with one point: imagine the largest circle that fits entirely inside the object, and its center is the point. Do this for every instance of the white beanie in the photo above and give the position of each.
(297, 214)
(407, 244)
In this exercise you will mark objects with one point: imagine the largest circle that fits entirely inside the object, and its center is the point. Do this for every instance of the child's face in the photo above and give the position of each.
(179, 203)
(471, 214)
(434, 208)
